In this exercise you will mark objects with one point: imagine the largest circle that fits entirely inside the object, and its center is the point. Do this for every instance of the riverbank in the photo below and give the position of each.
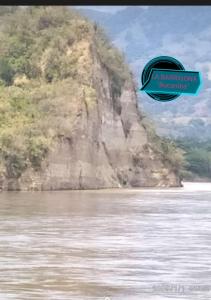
(187, 187)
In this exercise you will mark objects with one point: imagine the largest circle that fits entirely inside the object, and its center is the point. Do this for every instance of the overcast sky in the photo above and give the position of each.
(109, 9)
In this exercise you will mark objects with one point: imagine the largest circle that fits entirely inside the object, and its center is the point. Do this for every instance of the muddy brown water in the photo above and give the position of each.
(106, 245)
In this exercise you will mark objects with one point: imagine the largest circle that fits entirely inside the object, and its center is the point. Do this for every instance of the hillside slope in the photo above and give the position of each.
(68, 109)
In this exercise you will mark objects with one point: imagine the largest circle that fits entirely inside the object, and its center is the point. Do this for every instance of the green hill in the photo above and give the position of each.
(57, 70)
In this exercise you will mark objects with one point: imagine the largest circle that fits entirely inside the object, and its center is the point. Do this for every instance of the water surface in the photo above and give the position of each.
(110, 244)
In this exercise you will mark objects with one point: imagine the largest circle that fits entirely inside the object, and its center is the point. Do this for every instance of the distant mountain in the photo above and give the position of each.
(183, 32)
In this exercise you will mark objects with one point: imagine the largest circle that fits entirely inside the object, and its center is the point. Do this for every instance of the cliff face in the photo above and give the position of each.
(107, 147)
(103, 143)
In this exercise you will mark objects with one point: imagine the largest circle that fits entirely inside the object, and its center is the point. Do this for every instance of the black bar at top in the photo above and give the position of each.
(106, 2)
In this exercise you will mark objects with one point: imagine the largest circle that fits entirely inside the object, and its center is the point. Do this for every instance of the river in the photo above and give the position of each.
(136, 244)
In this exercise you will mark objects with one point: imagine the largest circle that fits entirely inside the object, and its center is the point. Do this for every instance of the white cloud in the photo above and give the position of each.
(204, 67)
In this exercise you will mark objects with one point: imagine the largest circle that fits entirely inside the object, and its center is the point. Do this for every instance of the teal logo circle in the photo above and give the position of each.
(161, 62)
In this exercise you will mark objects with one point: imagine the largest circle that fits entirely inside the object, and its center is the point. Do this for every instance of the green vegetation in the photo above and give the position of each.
(45, 70)
(191, 158)
(165, 148)
(198, 158)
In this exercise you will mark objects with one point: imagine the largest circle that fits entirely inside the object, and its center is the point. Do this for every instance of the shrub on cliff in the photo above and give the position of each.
(165, 148)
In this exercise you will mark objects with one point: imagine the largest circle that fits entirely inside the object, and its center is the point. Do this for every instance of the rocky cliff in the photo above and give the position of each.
(89, 117)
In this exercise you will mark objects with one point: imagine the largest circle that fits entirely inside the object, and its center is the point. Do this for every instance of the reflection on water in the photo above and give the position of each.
(119, 244)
